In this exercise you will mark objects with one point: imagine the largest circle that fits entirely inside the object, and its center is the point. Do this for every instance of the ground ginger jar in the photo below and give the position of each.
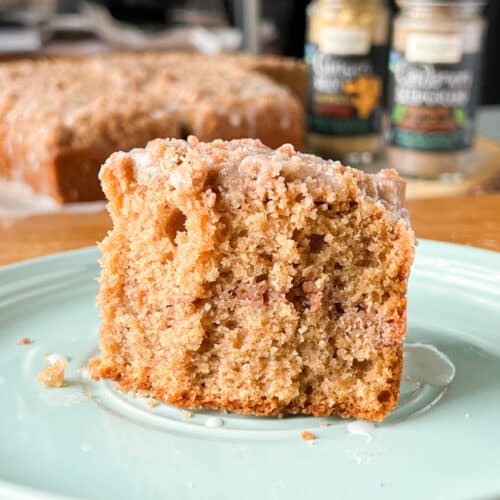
(346, 52)
(434, 77)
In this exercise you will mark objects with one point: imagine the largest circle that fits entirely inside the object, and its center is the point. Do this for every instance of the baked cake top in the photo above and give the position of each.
(240, 165)
(103, 82)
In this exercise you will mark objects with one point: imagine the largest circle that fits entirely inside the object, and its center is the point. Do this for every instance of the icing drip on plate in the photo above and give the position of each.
(424, 363)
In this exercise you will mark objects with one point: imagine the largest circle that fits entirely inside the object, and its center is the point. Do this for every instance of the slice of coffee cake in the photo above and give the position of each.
(257, 280)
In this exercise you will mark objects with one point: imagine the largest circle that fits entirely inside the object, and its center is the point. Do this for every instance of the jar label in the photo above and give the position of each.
(344, 41)
(434, 49)
(346, 84)
(432, 104)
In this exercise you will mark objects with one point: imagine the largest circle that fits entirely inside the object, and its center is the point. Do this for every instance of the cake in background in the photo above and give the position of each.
(61, 118)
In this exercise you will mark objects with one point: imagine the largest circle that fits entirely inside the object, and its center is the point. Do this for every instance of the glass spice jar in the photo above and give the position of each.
(434, 75)
(346, 48)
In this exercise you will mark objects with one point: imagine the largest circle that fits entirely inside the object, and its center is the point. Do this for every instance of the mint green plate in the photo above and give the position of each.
(87, 440)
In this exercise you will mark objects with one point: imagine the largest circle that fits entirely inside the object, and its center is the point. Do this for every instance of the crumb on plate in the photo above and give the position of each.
(308, 436)
(94, 368)
(24, 341)
(53, 373)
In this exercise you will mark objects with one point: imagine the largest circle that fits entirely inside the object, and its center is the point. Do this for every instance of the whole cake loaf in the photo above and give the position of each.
(60, 119)
(257, 280)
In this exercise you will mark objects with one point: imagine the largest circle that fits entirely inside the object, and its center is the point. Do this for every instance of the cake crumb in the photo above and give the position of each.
(131, 394)
(308, 436)
(223, 411)
(53, 373)
(94, 368)
(280, 416)
(380, 483)
(286, 149)
(24, 341)
(87, 394)
(187, 414)
(152, 402)
(324, 424)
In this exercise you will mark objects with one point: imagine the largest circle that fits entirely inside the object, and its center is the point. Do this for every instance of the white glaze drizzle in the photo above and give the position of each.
(424, 363)
(214, 422)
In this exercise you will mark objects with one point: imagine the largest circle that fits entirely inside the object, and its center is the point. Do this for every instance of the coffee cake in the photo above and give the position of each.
(257, 280)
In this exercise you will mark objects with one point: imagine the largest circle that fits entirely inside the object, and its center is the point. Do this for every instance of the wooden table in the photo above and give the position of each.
(470, 220)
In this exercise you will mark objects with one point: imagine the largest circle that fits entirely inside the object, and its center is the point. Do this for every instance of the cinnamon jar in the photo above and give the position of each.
(434, 75)
(346, 53)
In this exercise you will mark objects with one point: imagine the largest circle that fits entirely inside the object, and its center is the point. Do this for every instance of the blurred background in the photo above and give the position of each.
(463, 209)
(75, 26)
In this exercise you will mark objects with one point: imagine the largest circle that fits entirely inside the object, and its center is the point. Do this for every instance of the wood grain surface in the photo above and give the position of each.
(470, 220)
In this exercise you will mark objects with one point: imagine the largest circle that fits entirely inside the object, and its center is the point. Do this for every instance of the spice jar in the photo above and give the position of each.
(346, 51)
(434, 71)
